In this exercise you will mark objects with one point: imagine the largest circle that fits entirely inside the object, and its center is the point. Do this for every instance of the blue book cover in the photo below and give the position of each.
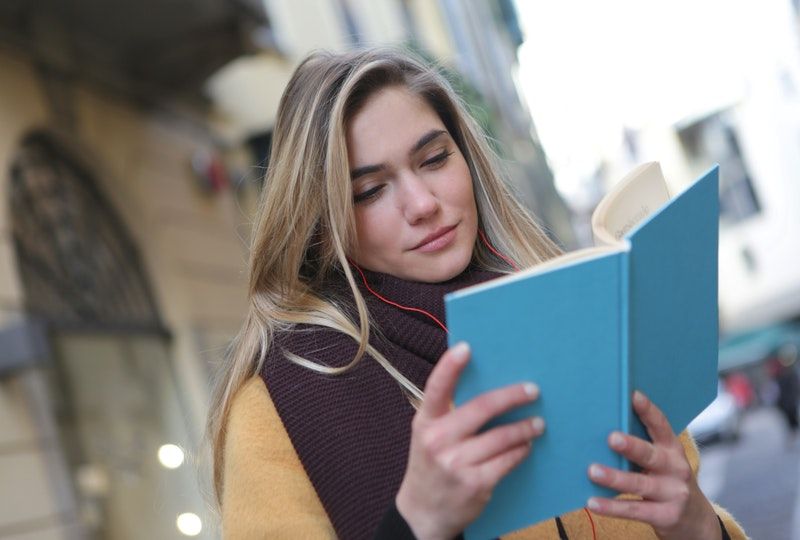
(589, 328)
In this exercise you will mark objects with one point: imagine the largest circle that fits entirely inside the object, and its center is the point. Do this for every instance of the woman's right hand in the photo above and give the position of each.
(452, 469)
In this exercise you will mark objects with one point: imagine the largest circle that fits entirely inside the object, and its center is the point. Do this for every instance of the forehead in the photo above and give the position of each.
(387, 126)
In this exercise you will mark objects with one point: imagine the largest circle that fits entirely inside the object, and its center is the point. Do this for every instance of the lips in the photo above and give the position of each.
(430, 240)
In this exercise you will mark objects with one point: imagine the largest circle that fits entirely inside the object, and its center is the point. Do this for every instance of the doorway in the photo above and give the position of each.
(126, 436)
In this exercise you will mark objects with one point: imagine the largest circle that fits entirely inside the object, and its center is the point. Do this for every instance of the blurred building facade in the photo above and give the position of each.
(129, 143)
(752, 133)
(682, 84)
(121, 262)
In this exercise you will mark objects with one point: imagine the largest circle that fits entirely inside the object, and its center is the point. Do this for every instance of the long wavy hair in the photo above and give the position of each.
(304, 227)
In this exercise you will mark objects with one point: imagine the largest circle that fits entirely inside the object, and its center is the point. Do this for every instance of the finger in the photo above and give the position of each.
(471, 416)
(648, 486)
(442, 381)
(489, 444)
(657, 514)
(492, 471)
(645, 454)
(657, 425)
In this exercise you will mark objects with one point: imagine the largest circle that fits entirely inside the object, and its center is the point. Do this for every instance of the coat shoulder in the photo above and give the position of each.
(265, 491)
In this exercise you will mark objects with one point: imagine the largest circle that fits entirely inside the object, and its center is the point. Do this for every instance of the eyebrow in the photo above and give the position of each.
(419, 145)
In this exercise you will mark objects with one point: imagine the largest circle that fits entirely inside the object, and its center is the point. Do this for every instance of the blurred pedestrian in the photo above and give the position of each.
(741, 389)
(782, 368)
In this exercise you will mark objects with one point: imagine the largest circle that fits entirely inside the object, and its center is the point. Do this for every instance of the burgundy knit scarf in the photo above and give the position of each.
(352, 431)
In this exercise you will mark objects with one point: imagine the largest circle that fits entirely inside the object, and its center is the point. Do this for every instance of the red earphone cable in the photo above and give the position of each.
(589, 515)
(395, 304)
(430, 315)
(488, 245)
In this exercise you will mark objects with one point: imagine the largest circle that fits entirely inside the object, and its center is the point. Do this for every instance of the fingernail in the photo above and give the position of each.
(595, 471)
(638, 398)
(592, 504)
(617, 440)
(460, 351)
(531, 389)
(538, 424)
(449, 461)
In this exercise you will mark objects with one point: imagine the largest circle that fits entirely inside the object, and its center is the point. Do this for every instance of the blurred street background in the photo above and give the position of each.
(133, 141)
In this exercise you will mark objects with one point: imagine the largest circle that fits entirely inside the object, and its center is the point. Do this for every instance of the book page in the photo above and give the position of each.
(561, 261)
(640, 193)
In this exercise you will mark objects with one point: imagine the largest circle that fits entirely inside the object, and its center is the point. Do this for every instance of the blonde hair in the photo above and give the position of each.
(304, 226)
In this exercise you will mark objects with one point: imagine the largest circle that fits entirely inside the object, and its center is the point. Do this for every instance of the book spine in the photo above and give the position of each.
(625, 347)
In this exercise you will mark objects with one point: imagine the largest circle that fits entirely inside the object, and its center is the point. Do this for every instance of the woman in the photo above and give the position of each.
(381, 196)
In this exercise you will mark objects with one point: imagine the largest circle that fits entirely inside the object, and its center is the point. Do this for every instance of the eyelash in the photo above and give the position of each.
(367, 195)
(438, 159)
(435, 162)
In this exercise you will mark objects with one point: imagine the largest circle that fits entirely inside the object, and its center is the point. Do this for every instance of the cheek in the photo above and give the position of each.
(464, 196)
(374, 231)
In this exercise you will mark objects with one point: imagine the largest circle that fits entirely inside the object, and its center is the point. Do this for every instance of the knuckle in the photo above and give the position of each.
(624, 483)
(447, 462)
(684, 472)
(521, 452)
(433, 381)
(503, 464)
(474, 487)
(508, 460)
(647, 408)
(481, 494)
(639, 511)
(682, 495)
(516, 457)
(653, 459)
(520, 432)
(643, 485)
(651, 412)
(500, 400)
(435, 384)
(627, 508)
(487, 402)
(432, 440)
(677, 446)
(505, 437)
(671, 516)
(614, 480)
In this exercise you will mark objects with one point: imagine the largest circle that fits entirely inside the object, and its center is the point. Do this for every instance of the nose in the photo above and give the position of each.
(418, 201)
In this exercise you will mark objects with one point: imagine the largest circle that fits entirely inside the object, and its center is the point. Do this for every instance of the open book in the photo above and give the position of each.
(638, 311)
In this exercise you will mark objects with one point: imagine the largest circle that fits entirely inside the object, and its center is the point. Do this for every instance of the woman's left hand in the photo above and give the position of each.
(671, 500)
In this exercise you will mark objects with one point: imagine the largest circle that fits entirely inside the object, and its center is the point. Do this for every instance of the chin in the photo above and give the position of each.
(442, 270)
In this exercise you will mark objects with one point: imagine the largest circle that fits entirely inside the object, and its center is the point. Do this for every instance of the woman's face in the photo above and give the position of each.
(415, 210)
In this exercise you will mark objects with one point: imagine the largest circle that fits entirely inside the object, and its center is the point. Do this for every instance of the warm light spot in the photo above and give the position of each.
(189, 524)
(170, 456)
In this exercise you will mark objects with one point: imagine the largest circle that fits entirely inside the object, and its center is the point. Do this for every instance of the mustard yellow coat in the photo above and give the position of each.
(267, 494)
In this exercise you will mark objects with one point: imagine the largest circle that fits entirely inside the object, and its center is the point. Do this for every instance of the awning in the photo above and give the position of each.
(741, 349)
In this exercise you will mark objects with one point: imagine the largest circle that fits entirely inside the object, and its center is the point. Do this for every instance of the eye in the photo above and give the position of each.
(370, 194)
(438, 160)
